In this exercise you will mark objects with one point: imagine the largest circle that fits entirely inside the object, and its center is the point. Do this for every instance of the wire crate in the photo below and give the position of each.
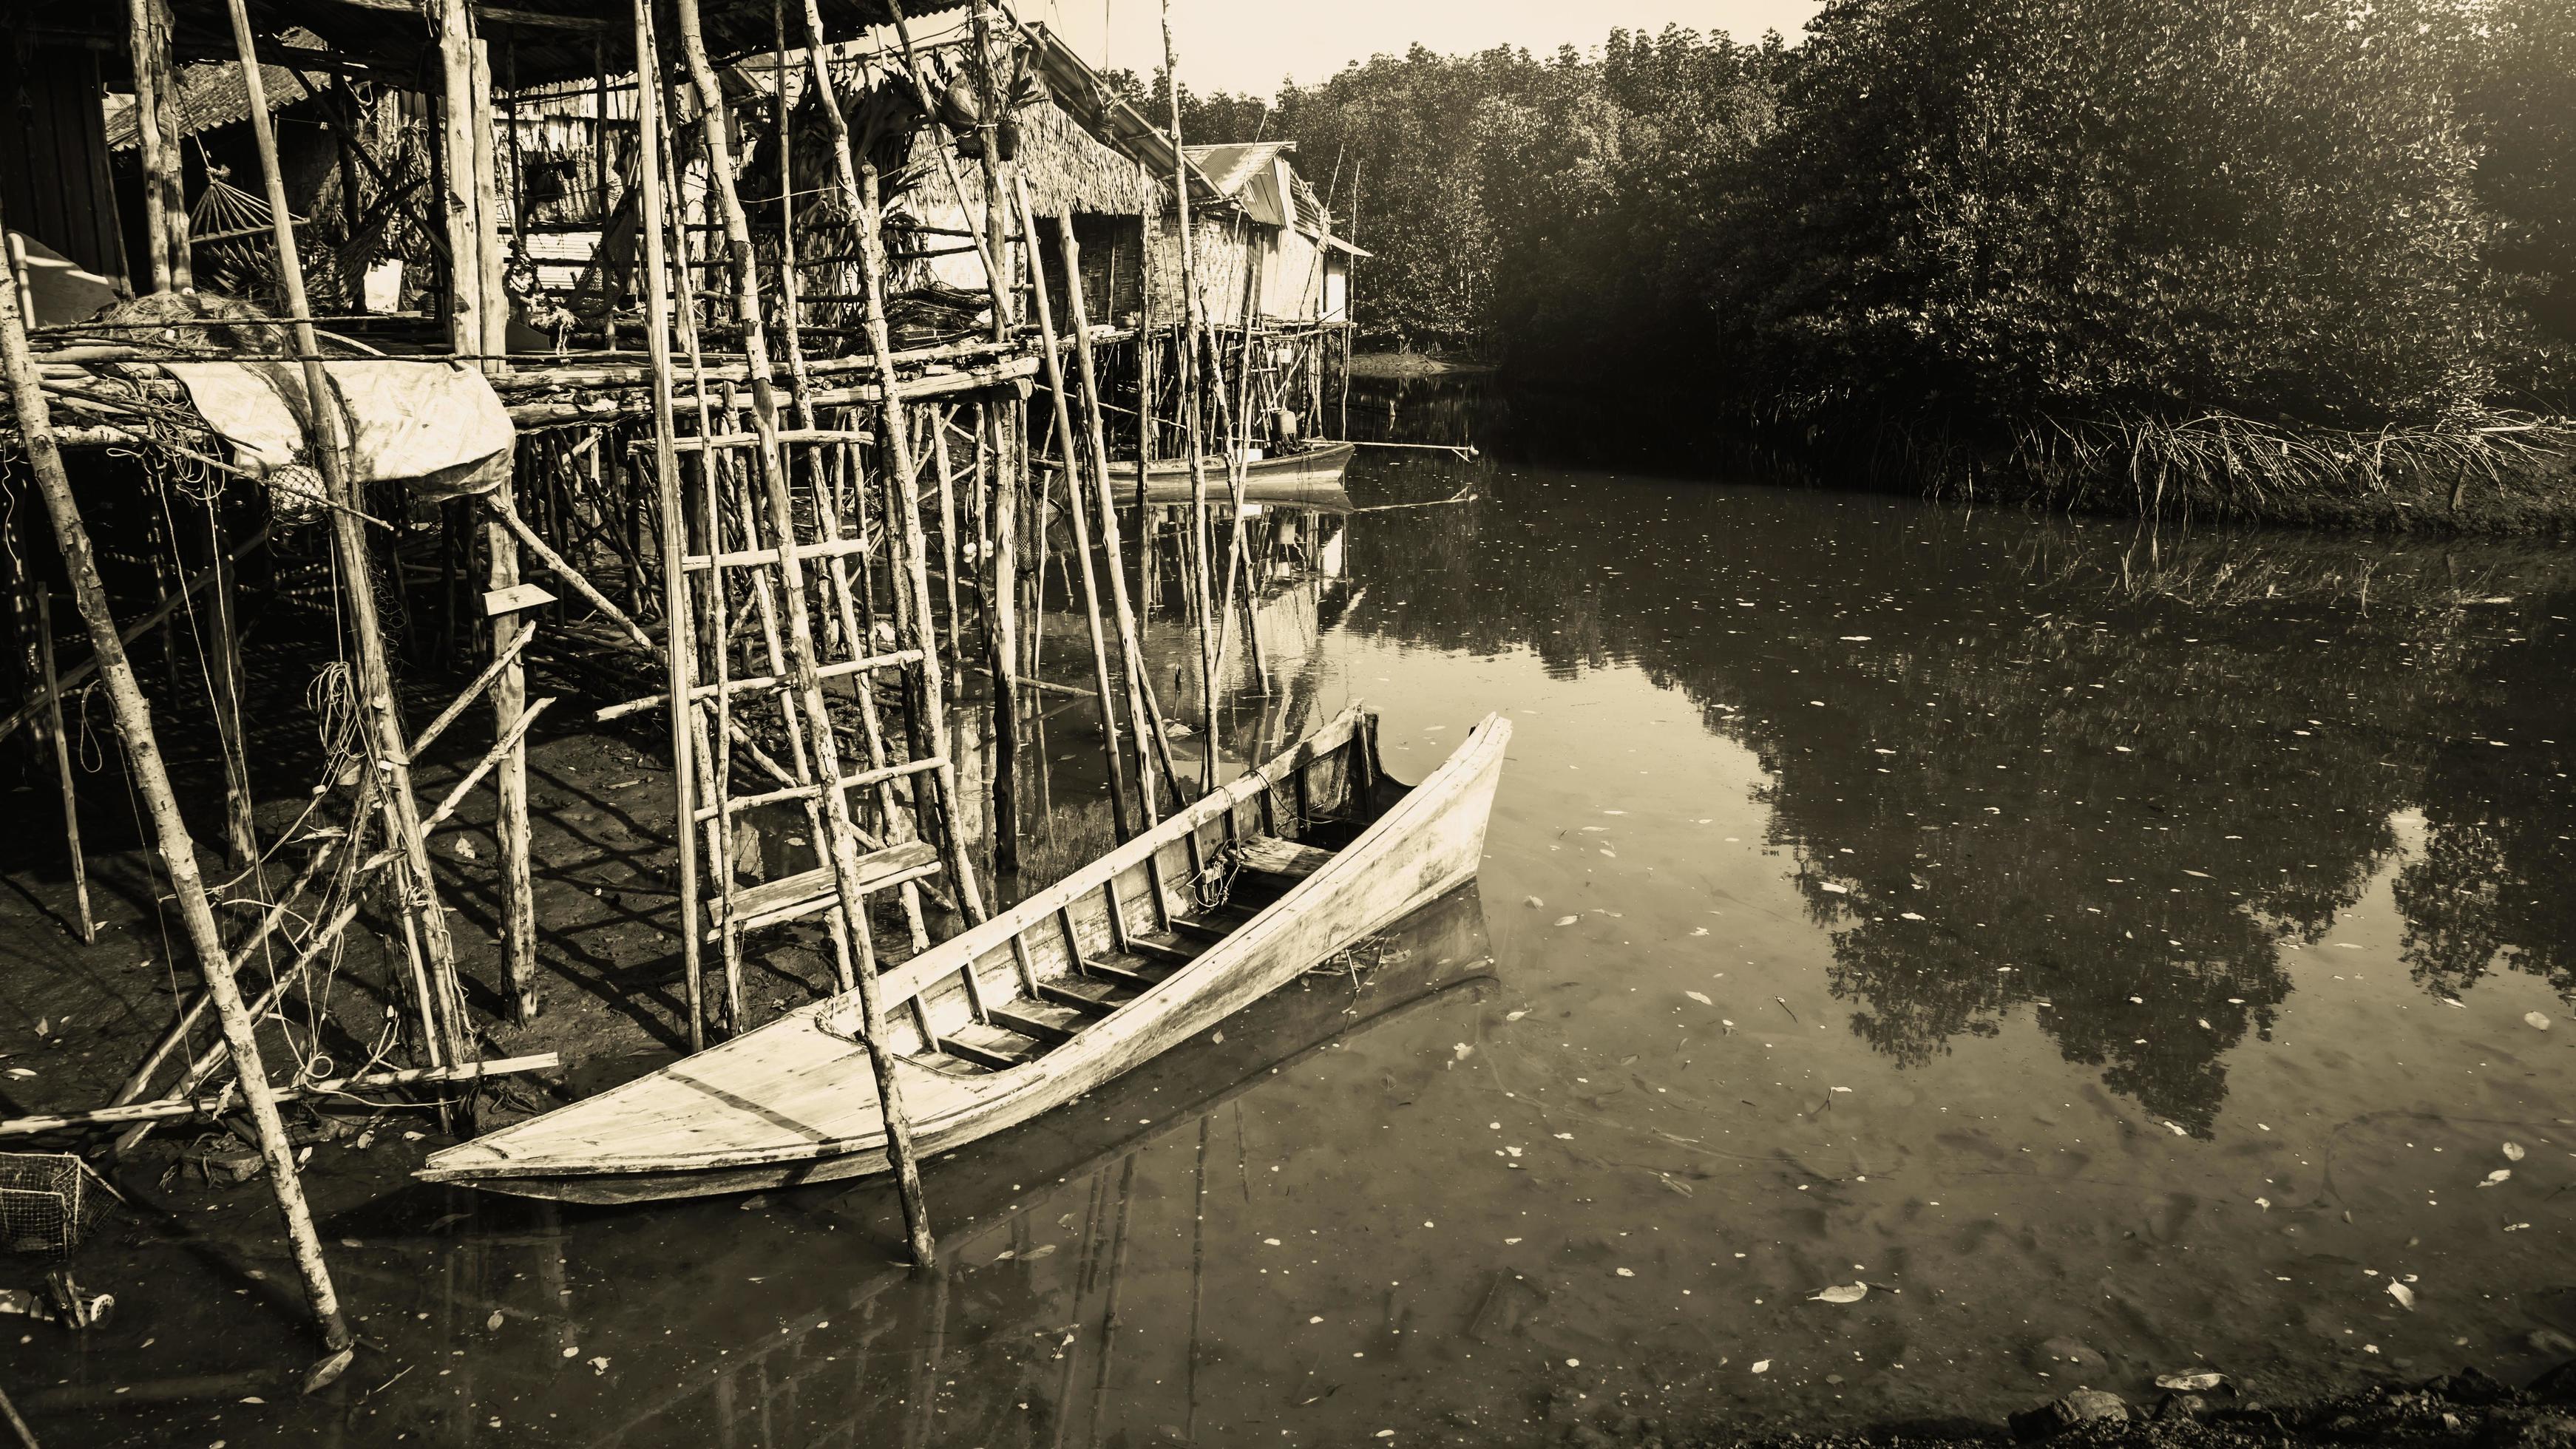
(49, 1201)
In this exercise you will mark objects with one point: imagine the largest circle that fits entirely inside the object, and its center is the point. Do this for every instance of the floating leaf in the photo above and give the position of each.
(2499, 1175)
(1700, 997)
(1842, 1293)
(2513, 1152)
(1567, 920)
(494, 1321)
(1762, 1365)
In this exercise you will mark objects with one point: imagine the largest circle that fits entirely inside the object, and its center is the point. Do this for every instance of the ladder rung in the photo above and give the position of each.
(753, 557)
(753, 683)
(785, 435)
(860, 781)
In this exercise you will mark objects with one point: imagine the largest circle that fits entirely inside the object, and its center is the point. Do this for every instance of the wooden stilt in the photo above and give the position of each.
(453, 20)
(63, 762)
(517, 887)
(1077, 510)
(156, 115)
(152, 782)
(1190, 311)
(494, 311)
(225, 670)
(1130, 648)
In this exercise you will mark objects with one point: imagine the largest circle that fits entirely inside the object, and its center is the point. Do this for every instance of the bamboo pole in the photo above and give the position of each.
(1076, 509)
(63, 762)
(1129, 646)
(1193, 324)
(841, 843)
(209, 1106)
(676, 614)
(454, 22)
(152, 781)
(511, 631)
(165, 208)
(240, 826)
(423, 919)
(140, 1079)
(492, 261)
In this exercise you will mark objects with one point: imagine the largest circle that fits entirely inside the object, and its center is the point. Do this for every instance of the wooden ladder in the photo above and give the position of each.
(733, 578)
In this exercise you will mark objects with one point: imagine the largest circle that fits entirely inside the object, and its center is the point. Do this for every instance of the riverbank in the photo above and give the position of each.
(2512, 477)
(1386, 365)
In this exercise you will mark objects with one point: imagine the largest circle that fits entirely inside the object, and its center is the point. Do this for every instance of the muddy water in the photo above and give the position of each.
(2119, 955)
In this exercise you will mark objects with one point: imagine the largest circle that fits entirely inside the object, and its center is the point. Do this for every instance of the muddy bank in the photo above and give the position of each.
(2463, 1408)
(1414, 364)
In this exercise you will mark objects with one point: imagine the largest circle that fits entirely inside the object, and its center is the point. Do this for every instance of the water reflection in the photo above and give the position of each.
(2073, 934)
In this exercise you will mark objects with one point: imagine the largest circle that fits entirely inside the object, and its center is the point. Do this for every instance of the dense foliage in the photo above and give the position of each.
(1970, 219)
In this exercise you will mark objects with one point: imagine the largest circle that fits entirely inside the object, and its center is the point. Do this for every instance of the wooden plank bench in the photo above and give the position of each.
(807, 892)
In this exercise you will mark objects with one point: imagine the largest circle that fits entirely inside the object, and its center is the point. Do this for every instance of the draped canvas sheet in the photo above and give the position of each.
(438, 424)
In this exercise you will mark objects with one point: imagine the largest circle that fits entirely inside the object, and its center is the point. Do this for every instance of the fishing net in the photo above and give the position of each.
(48, 1203)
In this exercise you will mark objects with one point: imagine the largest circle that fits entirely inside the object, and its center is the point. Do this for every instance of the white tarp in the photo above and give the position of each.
(436, 423)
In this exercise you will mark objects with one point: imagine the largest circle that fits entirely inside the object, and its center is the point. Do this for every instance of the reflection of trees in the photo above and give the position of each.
(2490, 883)
(2112, 770)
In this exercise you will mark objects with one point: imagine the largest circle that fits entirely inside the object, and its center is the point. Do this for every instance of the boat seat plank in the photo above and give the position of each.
(1040, 1021)
(1086, 993)
(1165, 946)
(989, 1044)
(1125, 967)
(808, 891)
(1271, 855)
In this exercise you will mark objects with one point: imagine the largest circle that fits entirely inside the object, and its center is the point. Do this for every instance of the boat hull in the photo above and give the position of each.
(1311, 479)
(1426, 843)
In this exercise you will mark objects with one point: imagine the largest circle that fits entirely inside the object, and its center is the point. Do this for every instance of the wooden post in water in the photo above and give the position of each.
(1096, 427)
(240, 827)
(1076, 509)
(152, 781)
(1190, 312)
(51, 682)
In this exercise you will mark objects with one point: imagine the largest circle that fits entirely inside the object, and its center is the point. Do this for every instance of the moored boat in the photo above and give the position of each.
(1311, 479)
(1155, 941)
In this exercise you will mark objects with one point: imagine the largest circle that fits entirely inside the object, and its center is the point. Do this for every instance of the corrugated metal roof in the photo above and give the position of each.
(1230, 167)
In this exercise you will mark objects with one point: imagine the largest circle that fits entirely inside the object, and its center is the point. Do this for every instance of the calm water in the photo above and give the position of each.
(2121, 954)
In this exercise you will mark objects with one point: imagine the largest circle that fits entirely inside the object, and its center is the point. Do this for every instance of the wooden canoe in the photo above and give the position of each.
(1046, 1001)
(1311, 479)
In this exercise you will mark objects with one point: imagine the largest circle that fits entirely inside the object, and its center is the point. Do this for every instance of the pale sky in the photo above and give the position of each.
(1237, 45)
